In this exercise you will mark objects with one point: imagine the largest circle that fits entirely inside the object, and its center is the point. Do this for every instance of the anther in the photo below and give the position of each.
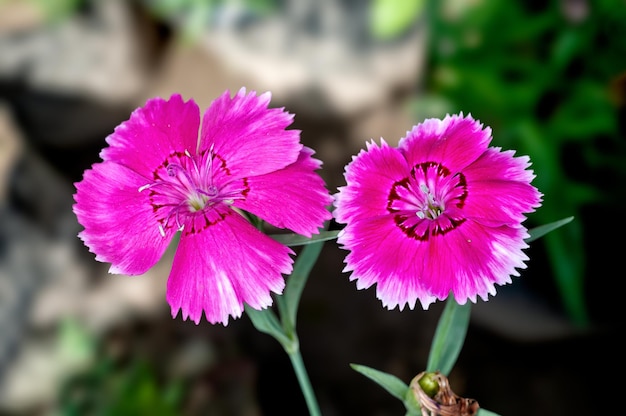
(172, 168)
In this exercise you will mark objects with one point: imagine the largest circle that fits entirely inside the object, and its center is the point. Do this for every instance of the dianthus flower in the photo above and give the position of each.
(162, 173)
(440, 214)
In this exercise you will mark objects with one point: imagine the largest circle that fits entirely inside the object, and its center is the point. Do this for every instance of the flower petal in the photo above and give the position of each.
(153, 132)
(455, 142)
(369, 178)
(380, 253)
(294, 197)
(468, 261)
(223, 266)
(248, 135)
(471, 259)
(120, 227)
(499, 189)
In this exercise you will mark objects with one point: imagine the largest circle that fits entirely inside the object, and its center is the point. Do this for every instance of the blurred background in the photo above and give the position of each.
(548, 77)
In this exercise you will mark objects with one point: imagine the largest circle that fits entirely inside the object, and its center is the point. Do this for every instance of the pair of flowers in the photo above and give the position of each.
(442, 213)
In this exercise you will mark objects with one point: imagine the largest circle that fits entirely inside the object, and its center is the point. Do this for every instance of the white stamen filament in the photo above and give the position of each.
(432, 209)
(187, 187)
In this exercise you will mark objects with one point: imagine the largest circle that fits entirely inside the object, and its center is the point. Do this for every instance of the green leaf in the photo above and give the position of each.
(265, 321)
(289, 301)
(411, 404)
(542, 230)
(449, 337)
(567, 256)
(292, 239)
(390, 18)
(389, 382)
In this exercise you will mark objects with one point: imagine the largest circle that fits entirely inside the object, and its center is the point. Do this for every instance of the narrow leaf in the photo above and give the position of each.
(411, 403)
(265, 321)
(542, 230)
(449, 336)
(297, 280)
(567, 257)
(389, 382)
(292, 239)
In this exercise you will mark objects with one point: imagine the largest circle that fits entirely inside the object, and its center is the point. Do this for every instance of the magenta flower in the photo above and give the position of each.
(442, 213)
(157, 177)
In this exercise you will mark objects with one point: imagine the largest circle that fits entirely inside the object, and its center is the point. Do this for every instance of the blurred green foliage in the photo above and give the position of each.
(542, 80)
(191, 17)
(391, 18)
(110, 389)
(194, 16)
(57, 10)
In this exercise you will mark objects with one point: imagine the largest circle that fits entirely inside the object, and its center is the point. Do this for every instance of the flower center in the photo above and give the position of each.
(430, 209)
(187, 191)
(429, 201)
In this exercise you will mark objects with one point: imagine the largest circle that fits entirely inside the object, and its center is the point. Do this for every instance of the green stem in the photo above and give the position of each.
(303, 378)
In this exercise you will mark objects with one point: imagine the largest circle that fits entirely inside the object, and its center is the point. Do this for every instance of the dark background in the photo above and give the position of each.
(548, 77)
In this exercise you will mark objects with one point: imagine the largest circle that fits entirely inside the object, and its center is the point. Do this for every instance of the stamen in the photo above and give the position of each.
(193, 161)
(189, 188)
(424, 195)
(209, 169)
(231, 197)
(175, 210)
(180, 226)
(155, 183)
(211, 192)
(173, 169)
(431, 209)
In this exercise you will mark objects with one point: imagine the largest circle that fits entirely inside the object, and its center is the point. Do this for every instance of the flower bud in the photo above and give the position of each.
(435, 397)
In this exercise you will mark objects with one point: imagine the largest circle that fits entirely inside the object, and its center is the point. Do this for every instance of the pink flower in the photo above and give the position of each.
(442, 213)
(158, 178)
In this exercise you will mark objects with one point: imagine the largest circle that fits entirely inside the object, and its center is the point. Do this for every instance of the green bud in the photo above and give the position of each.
(428, 383)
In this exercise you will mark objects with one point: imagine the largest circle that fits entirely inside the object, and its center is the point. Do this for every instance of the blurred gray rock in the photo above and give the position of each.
(99, 53)
(63, 88)
(69, 83)
(318, 56)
